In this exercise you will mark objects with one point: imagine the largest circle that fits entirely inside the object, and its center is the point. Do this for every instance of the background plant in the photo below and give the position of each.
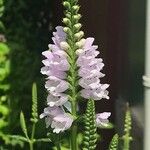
(25, 50)
(31, 140)
(123, 142)
(4, 73)
(127, 138)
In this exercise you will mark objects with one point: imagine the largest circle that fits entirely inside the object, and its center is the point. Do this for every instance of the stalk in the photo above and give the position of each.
(126, 145)
(33, 132)
(74, 145)
(31, 142)
(73, 36)
(58, 145)
(31, 145)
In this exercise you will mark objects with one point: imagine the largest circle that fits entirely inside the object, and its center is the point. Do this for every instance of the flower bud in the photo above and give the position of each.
(79, 51)
(80, 43)
(68, 15)
(66, 29)
(79, 34)
(75, 8)
(64, 45)
(66, 4)
(66, 21)
(50, 46)
(77, 17)
(78, 26)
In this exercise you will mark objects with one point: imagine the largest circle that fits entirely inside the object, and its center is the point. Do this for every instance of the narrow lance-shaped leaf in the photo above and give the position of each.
(23, 124)
(18, 137)
(46, 140)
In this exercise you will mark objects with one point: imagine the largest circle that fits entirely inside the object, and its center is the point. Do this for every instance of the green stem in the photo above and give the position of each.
(57, 143)
(58, 146)
(31, 142)
(73, 68)
(33, 132)
(74, 145)
(126, 144)
(31, 145)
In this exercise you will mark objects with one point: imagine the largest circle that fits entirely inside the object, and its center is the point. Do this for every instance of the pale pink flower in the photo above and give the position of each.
(90, 71)
(57, 119)
(55, 67)
(102, 119)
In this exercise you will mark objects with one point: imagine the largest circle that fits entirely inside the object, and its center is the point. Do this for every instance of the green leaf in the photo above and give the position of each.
(9, 140)
(109, 126)
(43, 140)
(1, 10)
(23, 124)
(4, 49)
(4, 87)
(4, 110)
(2, 27)
(3, 123)
(18, 137)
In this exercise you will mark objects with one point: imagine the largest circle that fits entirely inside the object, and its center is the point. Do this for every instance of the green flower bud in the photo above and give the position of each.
(80, 43)
(79, 35)
(64, 45)
(76, 8)
(78, 26)
(66, 29)
(68, 15)
(67, 4)
(77, 17)
(67, 21)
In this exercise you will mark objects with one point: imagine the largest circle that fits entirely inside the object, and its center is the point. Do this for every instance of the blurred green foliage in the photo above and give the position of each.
(4, 72)
(31, 140)
(4, 86)
(27, 28)
(123, 142)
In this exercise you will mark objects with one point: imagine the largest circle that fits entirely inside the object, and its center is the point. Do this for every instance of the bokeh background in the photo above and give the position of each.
(25, 31)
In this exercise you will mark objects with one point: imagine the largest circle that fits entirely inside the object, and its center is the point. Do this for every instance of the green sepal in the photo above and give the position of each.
(109, 126)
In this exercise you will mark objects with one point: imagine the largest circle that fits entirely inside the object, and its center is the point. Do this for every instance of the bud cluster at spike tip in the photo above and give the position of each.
(55, 67)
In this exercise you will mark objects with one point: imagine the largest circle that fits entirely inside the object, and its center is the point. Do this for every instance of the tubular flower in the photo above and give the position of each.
(102, 119)
(90, 72)
(55, 67)
(57, 119)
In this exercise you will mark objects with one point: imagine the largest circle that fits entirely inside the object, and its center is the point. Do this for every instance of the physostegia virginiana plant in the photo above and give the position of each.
(73, 73)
